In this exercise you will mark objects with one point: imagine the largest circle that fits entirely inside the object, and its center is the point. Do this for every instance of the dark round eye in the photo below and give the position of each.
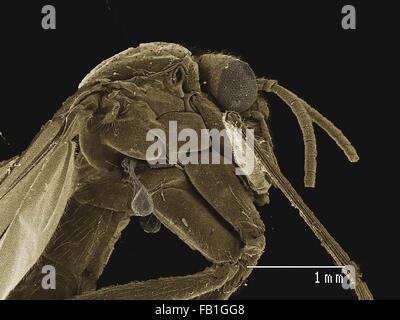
(237, 88)
(229, 80)
(179, 75)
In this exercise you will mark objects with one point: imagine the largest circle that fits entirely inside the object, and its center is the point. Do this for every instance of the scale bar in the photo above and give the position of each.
(295, 267)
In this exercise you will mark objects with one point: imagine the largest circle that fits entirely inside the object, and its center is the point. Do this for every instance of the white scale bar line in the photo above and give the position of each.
(295, 267)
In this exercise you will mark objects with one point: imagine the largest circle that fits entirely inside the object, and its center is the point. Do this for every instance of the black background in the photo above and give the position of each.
(349, 76)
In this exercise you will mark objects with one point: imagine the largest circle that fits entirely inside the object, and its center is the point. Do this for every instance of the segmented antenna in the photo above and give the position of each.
(306, 115)
(335, 133)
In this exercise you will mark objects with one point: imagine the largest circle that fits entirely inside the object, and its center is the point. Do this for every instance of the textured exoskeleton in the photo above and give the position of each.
(66, 199)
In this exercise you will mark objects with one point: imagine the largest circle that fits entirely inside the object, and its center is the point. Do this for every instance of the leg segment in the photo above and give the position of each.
(197, 223)
(176, 288)
(230, 199)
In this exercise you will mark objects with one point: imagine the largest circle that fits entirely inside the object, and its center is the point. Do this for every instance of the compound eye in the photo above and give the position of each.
(237, 88)
(231, 81)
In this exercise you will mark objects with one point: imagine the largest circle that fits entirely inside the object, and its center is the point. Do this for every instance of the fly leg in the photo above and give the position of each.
(188, 216)
(233, 203)
(116, 192)
(202, 228)
(223, 225)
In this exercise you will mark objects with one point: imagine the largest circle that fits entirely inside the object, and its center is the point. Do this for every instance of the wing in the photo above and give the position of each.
(35, 188)
(5, 169)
